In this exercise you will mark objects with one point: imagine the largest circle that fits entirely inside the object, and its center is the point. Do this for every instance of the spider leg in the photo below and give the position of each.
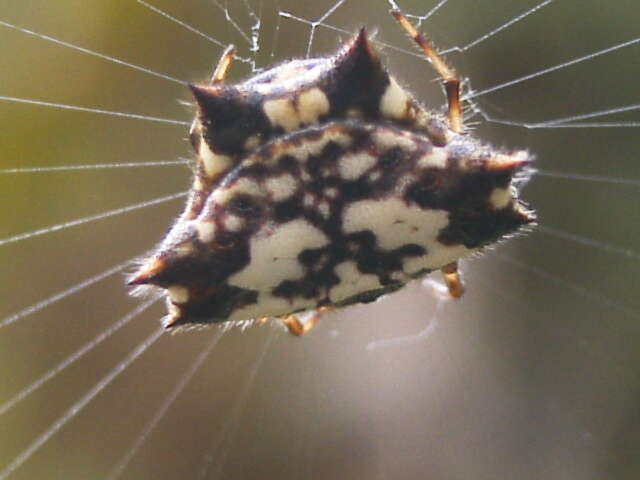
(223, 65)
(449, 75)
(452, 279)
(298, 325)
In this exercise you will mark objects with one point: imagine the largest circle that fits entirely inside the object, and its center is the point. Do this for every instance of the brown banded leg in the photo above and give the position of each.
(298, 327)
(448, 74)
(222, 67)
(452, 279)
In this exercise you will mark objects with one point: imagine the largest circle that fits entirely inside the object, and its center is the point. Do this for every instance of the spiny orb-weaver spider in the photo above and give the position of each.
(321, 183)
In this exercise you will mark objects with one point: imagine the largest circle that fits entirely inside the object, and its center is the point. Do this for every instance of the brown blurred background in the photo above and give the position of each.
(534, 374)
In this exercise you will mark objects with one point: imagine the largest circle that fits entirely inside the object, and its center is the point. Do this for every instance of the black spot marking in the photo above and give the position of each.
(391, 159)
(289, 209)
(477, 229)
(371, 295)
(288, 163)
(356, 190)
(229, 117)
(215, 305)
(245, 206)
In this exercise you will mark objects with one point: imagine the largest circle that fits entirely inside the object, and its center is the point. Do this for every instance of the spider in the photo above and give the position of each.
(321, 183)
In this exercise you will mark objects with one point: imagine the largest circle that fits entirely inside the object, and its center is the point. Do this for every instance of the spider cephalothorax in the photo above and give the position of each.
(321, 183)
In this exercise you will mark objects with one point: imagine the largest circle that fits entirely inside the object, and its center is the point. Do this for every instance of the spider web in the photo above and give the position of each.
(533, 375)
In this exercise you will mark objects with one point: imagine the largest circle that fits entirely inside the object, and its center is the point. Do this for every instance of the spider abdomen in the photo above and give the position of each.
(332, 215)
(321, 183)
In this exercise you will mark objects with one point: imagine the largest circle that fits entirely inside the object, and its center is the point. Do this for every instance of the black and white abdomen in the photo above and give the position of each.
(334, 215)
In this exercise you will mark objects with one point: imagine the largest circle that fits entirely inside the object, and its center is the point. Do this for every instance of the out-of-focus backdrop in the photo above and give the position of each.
(534, 374)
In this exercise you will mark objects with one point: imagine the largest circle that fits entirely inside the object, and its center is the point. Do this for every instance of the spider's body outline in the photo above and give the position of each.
(321, 183)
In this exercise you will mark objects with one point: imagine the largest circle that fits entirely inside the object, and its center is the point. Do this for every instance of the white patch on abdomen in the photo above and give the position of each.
(436, 158)
(312, 104)
(388, 139)
(353, 165)
(243, 185)
(393, 103)
(352, 282)
(394, 223)
(206, 230)
(178, 294)
(500, 198)
(281, 187)
(214, 164)
(233, 223)
(274, 254)
(282, 113)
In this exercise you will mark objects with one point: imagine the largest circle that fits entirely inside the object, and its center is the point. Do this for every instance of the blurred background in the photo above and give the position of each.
(534, 374)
